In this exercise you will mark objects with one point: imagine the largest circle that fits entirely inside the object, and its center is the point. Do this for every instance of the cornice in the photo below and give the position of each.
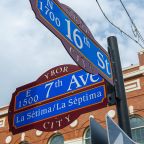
(134, 73)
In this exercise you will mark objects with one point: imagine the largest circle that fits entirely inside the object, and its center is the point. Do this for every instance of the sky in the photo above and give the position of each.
(28, 49)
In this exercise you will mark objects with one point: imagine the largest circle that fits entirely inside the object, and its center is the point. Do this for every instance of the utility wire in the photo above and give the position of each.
(118, 27)
(135, 31)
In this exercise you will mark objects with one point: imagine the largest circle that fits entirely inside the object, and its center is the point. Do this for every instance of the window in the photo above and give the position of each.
(87, 137)
(137, 127)
(57, 139)
(24, 142)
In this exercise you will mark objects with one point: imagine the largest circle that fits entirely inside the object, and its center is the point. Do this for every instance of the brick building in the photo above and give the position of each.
(78, 132)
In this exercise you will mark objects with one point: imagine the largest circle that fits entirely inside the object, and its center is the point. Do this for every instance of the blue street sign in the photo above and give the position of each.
(56, 99)
(72, 103)
(50, 13)
(57, 87)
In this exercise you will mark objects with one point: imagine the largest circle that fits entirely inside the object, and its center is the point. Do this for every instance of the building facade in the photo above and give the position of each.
(78, 132)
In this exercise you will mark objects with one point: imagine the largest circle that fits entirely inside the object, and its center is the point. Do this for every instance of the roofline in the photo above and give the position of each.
(4, 107)
(4, 112)
(130, 67)
(134, 73)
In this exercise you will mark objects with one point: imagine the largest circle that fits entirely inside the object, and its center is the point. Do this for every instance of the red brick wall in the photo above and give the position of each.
(141, 57)
(135, 99)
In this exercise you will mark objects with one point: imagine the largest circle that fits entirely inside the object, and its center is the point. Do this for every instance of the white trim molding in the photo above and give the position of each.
(134, 73)
(132, 85)
(3, 112)
(130, 67)
(2, 122)
(74, 141)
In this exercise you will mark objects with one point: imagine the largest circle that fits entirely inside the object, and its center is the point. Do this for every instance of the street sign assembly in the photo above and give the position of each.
(98, 133)
(75, 36)
(56, 99)
(115, 134)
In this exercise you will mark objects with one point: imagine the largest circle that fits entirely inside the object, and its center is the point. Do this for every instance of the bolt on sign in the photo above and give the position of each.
(56, 99)
(62, 21)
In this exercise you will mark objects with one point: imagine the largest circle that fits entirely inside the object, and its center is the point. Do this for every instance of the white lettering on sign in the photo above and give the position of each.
(48, 11)
(104, 64)
(20, 119)
(50, 4)
(73, 82)
(40, 112)
(56, 123)
(77, 82)
(67, 118)
(56, 84)
(28, 93)
(29, 99)
(79, 101)
(75, 36)
(71, 31)
(53, 109)
(59, 70)
(49, 85)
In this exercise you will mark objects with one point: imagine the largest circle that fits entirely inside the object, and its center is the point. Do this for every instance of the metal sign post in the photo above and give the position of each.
(121, 103)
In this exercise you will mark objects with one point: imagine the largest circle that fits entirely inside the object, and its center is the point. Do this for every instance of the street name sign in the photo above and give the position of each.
(56, 99)
(115, 134)
(75, 36)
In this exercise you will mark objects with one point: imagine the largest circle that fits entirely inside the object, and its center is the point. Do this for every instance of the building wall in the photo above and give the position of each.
(73, 134)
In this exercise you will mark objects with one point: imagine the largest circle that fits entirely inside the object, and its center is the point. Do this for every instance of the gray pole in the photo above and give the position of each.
(121, 103)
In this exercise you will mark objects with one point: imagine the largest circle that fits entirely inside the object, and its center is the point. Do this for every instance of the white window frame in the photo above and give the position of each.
(84, 136)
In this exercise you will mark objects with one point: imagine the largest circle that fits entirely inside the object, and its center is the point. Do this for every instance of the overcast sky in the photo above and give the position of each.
(28, 49)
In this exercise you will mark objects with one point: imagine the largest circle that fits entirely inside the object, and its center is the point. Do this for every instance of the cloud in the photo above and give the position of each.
(28, 49)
